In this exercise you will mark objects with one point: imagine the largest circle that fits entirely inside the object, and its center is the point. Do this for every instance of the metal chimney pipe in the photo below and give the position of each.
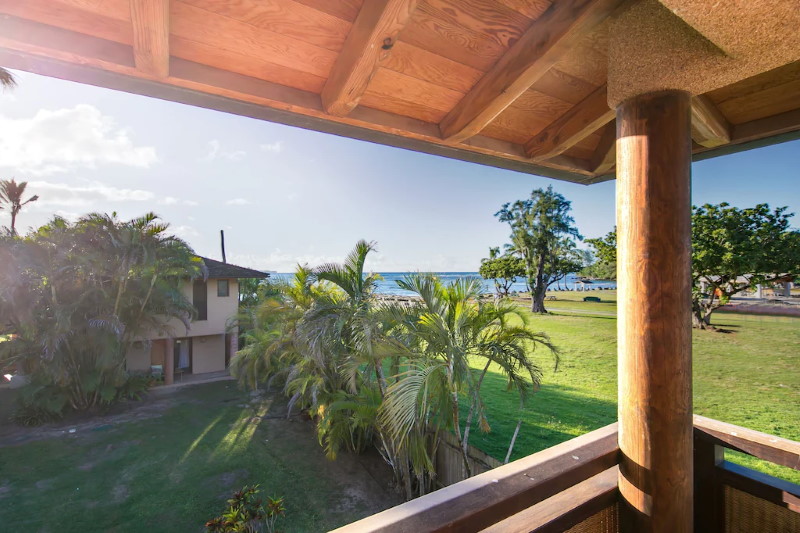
(222, 244)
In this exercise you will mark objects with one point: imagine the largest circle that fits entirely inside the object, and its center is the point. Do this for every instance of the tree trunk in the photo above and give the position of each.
(537, 299)
(457, 428)
(516, 431)
(471, 413)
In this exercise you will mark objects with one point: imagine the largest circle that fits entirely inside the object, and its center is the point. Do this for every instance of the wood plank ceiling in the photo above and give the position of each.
(519, 84)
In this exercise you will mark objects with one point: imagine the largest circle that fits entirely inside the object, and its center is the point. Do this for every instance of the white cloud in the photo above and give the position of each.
(184, 231)
(86, 195)
(275, 148)
(215, 151)
(171, 200)
(238, 201)
(65, 139)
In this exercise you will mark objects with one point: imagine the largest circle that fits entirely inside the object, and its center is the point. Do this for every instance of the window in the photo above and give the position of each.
(200, 299)
(222, 288)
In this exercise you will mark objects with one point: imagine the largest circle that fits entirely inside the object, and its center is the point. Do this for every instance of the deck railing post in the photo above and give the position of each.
(654, 321)
(708, 505)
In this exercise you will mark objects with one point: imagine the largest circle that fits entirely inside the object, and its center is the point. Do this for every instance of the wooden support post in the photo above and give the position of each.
(654, 319)
(169, 361)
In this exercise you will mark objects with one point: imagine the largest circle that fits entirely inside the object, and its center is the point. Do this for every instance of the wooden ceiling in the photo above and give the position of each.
(518, 84)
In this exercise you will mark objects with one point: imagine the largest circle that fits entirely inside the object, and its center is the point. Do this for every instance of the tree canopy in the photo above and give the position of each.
(76, 296)
(543, 234)
(734, 249)
(503, 270)
(604, 250)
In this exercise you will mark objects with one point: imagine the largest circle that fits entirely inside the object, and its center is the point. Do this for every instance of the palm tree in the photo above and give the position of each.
(7, 80)
(11, 193)
(448, 330)
(76, 313)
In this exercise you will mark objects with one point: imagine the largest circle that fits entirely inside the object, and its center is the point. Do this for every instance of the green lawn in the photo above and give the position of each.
(749, 377)
(172, 472)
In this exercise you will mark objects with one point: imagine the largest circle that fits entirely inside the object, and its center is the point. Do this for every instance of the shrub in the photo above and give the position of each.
(246, 513)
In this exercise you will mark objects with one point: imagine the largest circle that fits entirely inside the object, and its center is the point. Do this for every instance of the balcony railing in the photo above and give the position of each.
(573, 487)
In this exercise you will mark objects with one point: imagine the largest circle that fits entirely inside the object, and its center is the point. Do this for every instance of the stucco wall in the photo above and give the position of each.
(208, 353)
(220, 309)
(138, 358)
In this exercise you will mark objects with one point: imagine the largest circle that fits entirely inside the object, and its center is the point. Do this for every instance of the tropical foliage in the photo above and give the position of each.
(381, 374)
(604, 250)
(11, 193)
(543, 234)
(247, 512)
(74, 298)
(734, 249)
(503, 270)
(7, 80)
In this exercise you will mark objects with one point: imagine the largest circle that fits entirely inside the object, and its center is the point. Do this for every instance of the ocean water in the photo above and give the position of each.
(388, 283)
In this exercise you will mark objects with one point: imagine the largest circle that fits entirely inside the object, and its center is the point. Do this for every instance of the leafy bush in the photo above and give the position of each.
(75, 297)
(39, 403)
(246, 513)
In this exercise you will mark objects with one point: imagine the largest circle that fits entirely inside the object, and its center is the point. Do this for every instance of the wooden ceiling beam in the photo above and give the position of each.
(369, 42)
(605, 155)
(591, 114)
(709, 126)
(150, 20)
(549, 38)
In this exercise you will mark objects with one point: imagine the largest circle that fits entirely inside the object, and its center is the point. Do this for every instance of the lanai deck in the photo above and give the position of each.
(579, 90)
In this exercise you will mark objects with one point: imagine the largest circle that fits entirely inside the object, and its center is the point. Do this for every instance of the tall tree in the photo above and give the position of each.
(11, 193)
(541, 227)
(604, 250)
(734, 249)
(503, 270)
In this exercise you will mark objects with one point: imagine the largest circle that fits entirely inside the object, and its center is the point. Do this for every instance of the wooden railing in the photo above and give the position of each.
(547, 491)
(732, 498)
(576, 483)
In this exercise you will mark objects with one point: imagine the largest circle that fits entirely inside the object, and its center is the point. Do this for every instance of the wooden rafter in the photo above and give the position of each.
(571, 128)
(557, 31)
(605, 155)
(150, 19)
(370, 40)
(709, 127)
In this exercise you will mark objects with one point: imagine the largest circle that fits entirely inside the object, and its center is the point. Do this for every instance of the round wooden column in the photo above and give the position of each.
(654, 312)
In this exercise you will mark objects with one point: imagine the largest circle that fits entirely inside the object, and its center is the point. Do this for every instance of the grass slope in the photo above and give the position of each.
(748, 377)
(174, 472)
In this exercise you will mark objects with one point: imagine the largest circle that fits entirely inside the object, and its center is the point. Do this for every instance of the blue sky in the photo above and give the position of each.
(285, 195)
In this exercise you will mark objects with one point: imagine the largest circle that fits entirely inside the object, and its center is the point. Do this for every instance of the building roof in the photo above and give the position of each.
(529, 86)
(218, 269)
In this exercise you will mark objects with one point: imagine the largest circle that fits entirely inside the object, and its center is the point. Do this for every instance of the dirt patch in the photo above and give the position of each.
(82, 424)
(120, 493)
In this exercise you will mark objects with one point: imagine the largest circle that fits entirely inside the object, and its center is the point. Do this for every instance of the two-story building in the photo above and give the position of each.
(209, 342)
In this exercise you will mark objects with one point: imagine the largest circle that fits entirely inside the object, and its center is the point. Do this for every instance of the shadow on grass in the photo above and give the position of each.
(553, 414)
